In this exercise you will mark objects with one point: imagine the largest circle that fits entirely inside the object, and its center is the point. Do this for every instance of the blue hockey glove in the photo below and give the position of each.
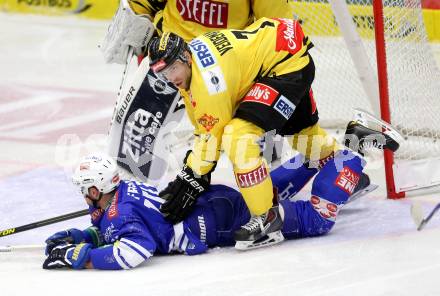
(69, 236)
(70, 256)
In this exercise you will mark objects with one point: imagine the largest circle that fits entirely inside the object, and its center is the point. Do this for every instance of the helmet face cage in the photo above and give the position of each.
(96, 170)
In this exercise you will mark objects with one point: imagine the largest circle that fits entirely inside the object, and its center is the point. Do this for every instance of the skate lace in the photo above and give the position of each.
(255, 223)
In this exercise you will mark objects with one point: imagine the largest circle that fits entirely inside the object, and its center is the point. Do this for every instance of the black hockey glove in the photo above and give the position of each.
(70, 236)
(182, 193)
(70, 256)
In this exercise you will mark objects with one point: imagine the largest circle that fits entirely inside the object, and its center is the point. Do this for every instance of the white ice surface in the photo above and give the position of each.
(52, 76)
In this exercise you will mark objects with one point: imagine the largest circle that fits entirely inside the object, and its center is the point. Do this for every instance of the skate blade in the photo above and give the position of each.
(362, 192)
(267, 240)
(367, 119)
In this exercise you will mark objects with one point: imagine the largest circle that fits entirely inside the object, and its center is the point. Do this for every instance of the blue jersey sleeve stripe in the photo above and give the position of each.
(120, 250)
(137, 248)
(156, 198)
(152, 193)
(171, 245)
(178, 236)
(126, 257)
(118, 258)
(184, 243)
(149, 188)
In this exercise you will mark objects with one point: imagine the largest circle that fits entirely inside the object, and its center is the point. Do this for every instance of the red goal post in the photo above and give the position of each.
(382, 73)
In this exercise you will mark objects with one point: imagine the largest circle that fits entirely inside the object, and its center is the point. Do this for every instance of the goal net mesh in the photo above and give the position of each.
(413, 75)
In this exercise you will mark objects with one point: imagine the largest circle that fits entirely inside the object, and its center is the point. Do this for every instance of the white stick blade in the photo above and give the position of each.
(417, 213)
(7, 249)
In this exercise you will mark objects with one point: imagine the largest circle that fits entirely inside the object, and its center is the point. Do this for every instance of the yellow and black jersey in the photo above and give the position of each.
(191, 18)
(225, 65)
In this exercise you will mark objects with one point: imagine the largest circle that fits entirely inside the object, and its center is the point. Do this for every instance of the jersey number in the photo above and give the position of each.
(151, 200)
(242, 34)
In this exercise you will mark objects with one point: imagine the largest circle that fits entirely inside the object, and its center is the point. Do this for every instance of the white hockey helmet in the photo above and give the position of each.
(96, 170)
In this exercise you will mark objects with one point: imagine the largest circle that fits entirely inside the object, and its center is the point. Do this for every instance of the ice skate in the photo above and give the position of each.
(260, 231)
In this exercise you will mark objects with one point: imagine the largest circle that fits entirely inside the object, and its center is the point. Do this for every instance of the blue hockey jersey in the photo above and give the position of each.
(133, 229)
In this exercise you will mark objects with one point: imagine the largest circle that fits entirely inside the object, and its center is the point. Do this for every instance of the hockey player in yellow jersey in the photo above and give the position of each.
(133, 25)
(237, 85)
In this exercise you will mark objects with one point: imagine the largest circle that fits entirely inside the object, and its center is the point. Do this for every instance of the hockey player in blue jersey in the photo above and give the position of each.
(128, 228)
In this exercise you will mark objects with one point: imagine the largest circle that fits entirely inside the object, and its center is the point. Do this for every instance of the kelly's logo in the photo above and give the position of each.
(261, 93)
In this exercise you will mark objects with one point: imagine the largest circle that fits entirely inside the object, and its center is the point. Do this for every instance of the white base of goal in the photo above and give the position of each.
(416, 174)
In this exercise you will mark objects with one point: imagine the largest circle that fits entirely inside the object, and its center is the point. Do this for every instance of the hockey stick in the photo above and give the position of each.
(20, 248)
(43, 223)
(417, 215)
